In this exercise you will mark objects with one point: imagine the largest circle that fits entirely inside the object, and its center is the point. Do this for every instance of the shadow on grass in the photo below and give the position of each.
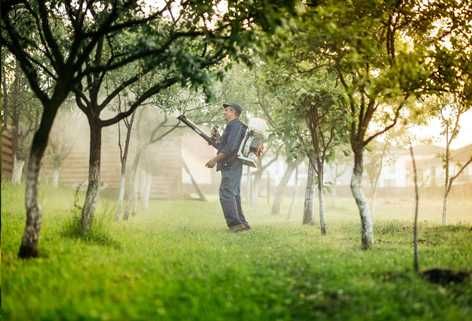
(445, 276)
(434, 275)
(99, 234)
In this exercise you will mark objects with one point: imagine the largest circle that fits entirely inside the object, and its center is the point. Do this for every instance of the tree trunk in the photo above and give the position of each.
(335, 181)
(56, 174)
(367, 231)
(94, 176)
(121, 196)
(194, 182)
(147, 190)
(17, 172)
(269, 189)
(372, 200)
(248, 185)
(294, 194)
(29, 242)
(376, 179)
(416, 265)
(444, 208)
(280, 191)
(321, 200)
(309, 197)
(446, 177)
(256, 190)
(252, 189)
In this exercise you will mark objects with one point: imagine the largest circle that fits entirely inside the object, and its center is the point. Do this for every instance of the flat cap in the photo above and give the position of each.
(236, 107)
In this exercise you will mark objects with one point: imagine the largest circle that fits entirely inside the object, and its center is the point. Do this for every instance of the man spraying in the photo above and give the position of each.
(231, 168)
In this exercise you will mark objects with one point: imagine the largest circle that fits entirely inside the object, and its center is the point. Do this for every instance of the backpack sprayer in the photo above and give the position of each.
(251, 146)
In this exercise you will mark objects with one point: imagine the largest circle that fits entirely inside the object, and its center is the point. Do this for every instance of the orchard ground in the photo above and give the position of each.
(176, 261)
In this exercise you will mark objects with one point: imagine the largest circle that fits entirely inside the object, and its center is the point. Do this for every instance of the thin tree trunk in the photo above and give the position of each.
(194, 182)
(147, 190)
(94, 177)
(294, 194)
(17, 172)
(280, 191)
(321, 200)
(367, 230)
(309, 197)
(372, 200)
(269, 187)
(446, 178)
(256, 185)
(123, 160)
(29, 242)
(56, 174)
(252, 189)
(248, 185)
(444, 208)
(131, 197)
(335, 181)
(415, 221)
(121, 195)
(376, 180)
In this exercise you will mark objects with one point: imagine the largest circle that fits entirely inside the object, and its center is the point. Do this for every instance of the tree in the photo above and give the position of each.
(326, 124)
(124, 151)
(67, 33)
(377, 73)
(450, 113)
(444, 27)
(416, 264)
(307, 112)
(51, 41)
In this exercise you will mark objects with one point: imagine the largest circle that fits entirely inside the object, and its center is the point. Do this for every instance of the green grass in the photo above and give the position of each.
(176, 261)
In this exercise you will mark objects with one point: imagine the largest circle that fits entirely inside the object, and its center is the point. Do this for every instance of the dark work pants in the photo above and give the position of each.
(230, 194)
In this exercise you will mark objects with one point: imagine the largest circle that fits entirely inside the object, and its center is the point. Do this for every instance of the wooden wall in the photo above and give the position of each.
(7, 155)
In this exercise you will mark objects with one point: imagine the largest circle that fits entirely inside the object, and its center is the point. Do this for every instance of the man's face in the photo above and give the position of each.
(229, 113)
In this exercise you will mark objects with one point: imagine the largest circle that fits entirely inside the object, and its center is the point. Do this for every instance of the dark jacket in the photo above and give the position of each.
(230, 141)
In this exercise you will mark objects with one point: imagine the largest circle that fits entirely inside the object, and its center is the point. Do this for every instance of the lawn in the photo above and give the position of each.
(176, 261)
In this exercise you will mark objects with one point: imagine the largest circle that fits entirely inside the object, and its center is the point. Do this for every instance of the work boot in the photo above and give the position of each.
(238, 228)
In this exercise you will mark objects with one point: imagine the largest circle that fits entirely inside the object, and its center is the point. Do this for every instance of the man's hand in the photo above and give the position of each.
(211, 163)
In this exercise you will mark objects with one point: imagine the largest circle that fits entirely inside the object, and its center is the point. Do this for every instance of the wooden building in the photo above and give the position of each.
(7, 155)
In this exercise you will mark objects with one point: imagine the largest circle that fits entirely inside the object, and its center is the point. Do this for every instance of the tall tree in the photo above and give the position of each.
(358, 41)
(450, 114)
(66, 33)
(51, 41)
(326, 123)
(124, 146)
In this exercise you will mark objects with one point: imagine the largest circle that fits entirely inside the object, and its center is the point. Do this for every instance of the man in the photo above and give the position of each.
(231, 168)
